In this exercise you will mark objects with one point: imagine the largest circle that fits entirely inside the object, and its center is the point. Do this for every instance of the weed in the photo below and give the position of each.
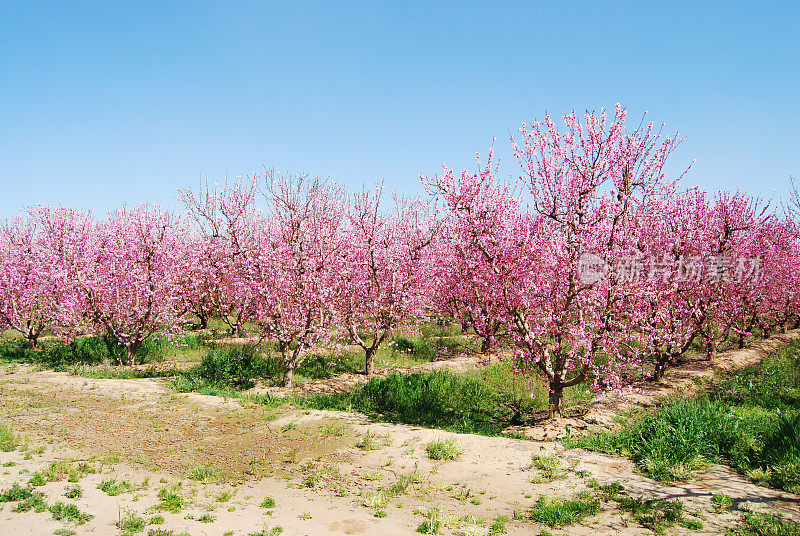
(274, 531)
(559, 512)
(372, 442)
(113, 487)
(758, 524)
(498, 526)
(15, 493)
(268, 502)
(372, 474)
(655, 514)
(130, 523)
(34, 502)
(171, 499)
(204, 473)
(721, 502)
(444, 450)
(381, 513)
(551, 467)
(73, 492)
(156, 520)
(69, 512)
(225, 496)
(8, 439)
(207, 518)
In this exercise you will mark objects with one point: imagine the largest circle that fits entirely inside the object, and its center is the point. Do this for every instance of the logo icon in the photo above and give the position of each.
(591, 268)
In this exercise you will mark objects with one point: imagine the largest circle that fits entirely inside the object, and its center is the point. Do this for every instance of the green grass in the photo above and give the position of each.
(130, 523)
(69, 512)
(114, 487)
(757, 524)
(205, 473)
(8, 439)
(80, 354)
(447, 449)
(171, 499)
(73, 492)
(484, 401)
(751, 420)
(558, 512)
(15, 493)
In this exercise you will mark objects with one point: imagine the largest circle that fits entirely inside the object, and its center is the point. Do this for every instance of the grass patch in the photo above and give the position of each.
(8, 439)
(560, 512)
(447, 449)
(757, 524)
(73, 492)
(114, 487)
(751, 420)
(15, 493)
(204, 473)
(69, 512)
(130, 523)
(171, 499)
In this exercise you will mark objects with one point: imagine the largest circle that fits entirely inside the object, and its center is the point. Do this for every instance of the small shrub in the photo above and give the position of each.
(268, 502)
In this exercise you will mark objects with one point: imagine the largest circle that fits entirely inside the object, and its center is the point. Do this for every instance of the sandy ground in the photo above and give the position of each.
(307, 461)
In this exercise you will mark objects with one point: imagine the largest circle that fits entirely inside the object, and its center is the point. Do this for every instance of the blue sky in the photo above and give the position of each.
(103, 103)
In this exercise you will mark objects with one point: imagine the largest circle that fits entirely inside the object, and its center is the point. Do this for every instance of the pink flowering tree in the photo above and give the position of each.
(29, 290)
(586, 186)
(224, 219)
(383, 281)
(130, 280)
(38, 254)
(293, 261)
(469, 281)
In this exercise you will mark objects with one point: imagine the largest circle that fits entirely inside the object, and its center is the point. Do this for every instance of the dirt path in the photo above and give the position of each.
(139, 431)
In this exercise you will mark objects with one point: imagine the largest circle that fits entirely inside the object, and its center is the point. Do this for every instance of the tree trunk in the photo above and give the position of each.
(130, 354)
(33, 341)
(486, 345)
(203, 321)
(288, 375)
(661, 367)
(742, 340)
(554, 401)
(370, 361)
(711, 346)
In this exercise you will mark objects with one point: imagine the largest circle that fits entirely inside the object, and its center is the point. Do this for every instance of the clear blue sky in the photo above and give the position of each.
(109, 102)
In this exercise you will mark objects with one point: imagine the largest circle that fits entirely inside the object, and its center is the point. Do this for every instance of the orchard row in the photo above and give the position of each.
(588, 264)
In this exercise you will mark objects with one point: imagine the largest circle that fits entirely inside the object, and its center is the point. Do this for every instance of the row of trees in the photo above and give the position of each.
(588, 263)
